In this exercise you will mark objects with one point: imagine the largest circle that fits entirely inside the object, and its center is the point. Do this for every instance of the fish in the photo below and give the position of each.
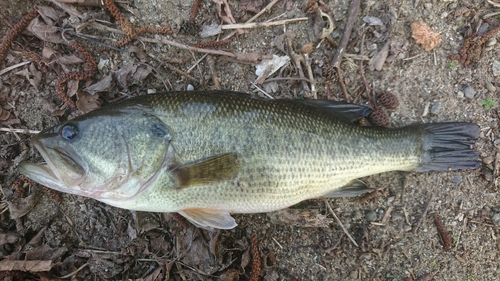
(208, 155)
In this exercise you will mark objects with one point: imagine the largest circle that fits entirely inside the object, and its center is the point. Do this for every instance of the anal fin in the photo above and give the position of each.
(352, 189)
(209, 218)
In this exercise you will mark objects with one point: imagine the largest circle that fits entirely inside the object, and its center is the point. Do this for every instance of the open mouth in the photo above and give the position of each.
(65, 178)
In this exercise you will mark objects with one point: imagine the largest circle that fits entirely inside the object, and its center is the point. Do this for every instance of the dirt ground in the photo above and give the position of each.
(396, 237)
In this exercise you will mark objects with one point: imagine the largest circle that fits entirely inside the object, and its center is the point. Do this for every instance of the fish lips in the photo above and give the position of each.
(61, 171)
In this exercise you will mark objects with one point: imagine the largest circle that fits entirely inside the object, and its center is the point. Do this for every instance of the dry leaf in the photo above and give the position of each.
(28, 266)
(253, 6)
(45, 32)
(9, 238)
(87, 102)
(424, 35)
(224, 11)
(107, 84)
(373, 21)
(48, 14)
(19, 207)
(268, 67)
(45, 252)
(378, 60)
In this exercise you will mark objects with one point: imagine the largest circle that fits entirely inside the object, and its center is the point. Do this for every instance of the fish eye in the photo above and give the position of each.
(69, 131)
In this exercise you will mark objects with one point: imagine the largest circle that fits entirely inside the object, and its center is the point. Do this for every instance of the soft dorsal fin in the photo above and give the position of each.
(207, 170)
(209, 218)
(352, 189)
(348, 112)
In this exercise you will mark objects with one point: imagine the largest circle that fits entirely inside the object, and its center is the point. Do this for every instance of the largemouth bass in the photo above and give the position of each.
(207, 155)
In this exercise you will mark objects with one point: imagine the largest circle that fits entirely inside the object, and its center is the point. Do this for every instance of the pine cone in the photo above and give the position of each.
(388, 100)
(379, 118)
(189, 27)
(329, 73)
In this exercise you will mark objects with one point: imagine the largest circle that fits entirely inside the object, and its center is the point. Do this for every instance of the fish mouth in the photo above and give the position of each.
(60, 172)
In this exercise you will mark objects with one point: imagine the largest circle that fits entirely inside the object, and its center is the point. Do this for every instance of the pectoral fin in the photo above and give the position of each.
(352, 189)
(209, 218)
(207, 170)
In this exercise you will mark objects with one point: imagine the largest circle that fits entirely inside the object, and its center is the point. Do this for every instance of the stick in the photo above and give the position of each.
(340, 223)
(426, 208)
(164, 40)
(20, 131)
(260, 24)
(3, 71)
(266, 9)
(351, 19)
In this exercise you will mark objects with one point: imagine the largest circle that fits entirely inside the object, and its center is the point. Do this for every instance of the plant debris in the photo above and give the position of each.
(473, 46)
(424, 35)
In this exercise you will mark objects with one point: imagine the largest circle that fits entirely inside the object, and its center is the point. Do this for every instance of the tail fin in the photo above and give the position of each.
(448, 146)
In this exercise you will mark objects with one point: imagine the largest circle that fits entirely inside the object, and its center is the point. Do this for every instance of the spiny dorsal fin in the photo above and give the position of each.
(207, 170)
(352, 189)
(209, 218)
(348, 112)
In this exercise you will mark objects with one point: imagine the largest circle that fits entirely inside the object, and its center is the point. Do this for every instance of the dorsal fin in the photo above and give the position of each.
(348, 112)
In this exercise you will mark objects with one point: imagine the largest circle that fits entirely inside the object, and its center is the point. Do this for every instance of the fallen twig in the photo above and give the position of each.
(351, 19)
(20, 131)
(213, 71)
(260, 24)
(426, 209)
(340, 223)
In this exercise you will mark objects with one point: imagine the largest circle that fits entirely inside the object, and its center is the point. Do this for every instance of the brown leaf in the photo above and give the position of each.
(48, 14)
(45, 252)
(28, 266)
(19, 207)
(132, 75)
(378, 60)
(87, 102)
(253, 6)
(107, 84)
(224, 11)
(9, 238)
(45, 32)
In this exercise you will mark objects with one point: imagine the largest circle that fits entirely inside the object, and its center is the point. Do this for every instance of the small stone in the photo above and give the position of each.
(488, 160)
(456, 179)
(469, 92)
(483, 28)
(435, 107)
(496, 218)
(496, 143)
(407, 228)
(190, 87)
(444, 15)
(496, 68)
(428, 6)
(452, 6)
(335, 34)
(492, 41)
(357, 215)
(490, 87)
(460, 94)
(371, 216)
(151, 91)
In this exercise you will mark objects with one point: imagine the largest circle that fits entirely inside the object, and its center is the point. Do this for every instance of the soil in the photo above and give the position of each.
(396, 238)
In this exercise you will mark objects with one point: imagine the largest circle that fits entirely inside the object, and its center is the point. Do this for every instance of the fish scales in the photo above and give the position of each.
(209, 154)
(291, 151)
